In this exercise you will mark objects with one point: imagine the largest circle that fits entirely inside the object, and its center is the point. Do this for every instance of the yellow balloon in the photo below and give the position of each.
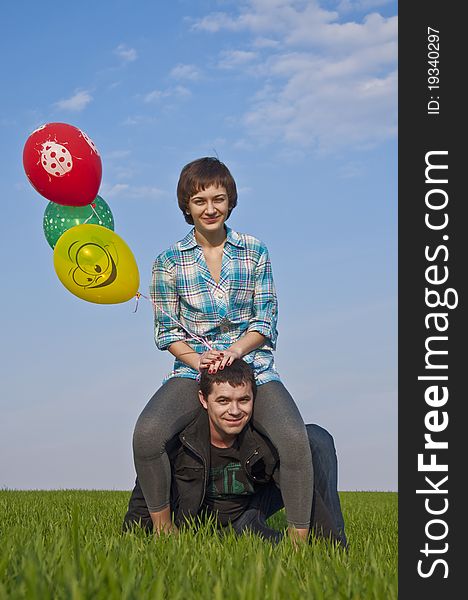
(95, 264)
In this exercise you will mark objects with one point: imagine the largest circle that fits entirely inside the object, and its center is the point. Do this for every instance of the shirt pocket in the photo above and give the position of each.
(198, 311)
(243, 285)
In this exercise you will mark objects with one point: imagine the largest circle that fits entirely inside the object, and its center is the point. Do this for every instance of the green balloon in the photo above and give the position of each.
(59, 218)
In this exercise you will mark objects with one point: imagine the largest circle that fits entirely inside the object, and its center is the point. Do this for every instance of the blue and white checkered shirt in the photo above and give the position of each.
(243, 300)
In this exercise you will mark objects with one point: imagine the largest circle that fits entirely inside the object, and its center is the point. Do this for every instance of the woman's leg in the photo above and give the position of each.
(170, 409)
(277, 416)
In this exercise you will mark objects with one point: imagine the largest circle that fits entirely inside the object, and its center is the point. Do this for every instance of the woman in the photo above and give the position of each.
(217, 284)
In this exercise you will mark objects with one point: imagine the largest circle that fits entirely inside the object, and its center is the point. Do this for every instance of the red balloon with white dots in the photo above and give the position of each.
(63, 164)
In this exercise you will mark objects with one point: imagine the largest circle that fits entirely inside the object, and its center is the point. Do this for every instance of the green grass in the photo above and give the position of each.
(68, 544)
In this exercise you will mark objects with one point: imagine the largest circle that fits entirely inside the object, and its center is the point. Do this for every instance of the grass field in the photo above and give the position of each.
(68, 544)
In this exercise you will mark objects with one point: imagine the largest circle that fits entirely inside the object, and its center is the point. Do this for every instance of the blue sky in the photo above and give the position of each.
(299, 99)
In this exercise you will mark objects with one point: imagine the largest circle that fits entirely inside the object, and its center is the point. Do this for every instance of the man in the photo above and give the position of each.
(222, 466)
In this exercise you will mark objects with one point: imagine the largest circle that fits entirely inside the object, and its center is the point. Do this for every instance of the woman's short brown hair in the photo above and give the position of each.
(200, 174)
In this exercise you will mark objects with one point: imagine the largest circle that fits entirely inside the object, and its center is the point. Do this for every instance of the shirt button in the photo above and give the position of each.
(219, 295)
(224, 329)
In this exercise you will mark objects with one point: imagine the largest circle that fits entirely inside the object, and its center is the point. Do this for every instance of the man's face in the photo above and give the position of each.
(229, 409)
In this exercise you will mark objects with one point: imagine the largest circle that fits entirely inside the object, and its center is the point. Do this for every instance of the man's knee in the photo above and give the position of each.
(320, 439)
(323, 451)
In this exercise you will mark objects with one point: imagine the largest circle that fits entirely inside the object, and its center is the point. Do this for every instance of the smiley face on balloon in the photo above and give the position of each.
(95, 264)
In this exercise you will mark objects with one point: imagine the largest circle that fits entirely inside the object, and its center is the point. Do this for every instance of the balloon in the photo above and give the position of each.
(58, 218)
(63, 164)
(95, 264)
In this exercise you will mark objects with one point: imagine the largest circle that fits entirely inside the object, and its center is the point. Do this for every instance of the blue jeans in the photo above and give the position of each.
(326, 473)
(326, 518)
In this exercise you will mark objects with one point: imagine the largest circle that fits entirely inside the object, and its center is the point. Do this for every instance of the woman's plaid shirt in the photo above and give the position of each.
(243, 300)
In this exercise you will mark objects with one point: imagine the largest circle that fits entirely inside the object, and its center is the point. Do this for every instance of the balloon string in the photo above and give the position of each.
(191, 335)
(138, 295)
(94, 211)
(91, 215)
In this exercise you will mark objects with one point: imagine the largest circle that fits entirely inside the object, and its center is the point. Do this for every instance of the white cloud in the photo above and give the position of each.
(325, 82)
(215, 22)
(154, 95)
(76, 103)
(182, 71)
(125, 53)
(360, 5)
(301, 23)
(125, 190)
(231, 59)
(267, 16)
(181, 91)
(139, 120)
(146, 192)
(117, 154)
(123, 172)
(120, 165)
(346, 37)
(115, 190)
(178, 91)
(262, 42)
(328, 113)
(351, 170)
(243, 144)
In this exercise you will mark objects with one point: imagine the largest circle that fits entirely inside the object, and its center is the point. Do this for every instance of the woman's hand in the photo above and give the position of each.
(230, 355)
(209, 358)
(218, 359)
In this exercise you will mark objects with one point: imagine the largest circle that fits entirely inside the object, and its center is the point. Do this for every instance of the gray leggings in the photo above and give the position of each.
(275, 414)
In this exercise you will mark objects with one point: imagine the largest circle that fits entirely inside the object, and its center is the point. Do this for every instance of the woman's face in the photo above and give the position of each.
(209, 209)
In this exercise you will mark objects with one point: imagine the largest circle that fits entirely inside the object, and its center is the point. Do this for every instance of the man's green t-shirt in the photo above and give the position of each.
(229, 489)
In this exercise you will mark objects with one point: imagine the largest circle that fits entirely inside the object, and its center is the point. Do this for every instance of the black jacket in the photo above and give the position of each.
(189, 455)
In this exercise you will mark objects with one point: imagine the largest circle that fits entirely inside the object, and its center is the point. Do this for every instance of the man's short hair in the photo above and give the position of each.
(237, 373)
(200, 174)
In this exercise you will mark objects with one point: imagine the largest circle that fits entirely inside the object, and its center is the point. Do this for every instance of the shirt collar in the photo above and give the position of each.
(232, 237)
